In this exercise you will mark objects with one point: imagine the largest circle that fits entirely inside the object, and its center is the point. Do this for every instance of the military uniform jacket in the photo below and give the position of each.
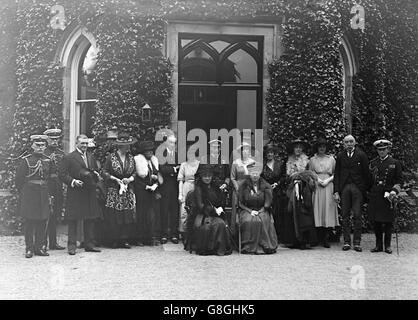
(386, 176)
(81, 201)
(32, 177)
(56, 155)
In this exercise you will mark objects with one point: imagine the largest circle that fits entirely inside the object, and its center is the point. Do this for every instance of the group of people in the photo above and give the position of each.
(212, 204)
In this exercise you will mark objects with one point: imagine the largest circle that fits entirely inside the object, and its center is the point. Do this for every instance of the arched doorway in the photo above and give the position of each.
(349, 69)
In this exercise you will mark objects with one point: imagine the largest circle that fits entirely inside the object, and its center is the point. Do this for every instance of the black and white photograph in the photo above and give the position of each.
(208, 154)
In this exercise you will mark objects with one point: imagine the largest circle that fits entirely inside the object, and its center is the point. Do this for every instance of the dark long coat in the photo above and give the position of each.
(32, 177)
(386, 176)
(169, 209)
(81, 201)
(274, 176)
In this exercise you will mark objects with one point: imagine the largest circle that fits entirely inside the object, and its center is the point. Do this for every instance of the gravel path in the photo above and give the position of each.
(168, 272)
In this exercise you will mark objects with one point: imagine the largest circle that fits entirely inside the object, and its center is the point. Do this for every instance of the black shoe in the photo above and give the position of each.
(346, 247)
(41, 252)
(92, 250)
(174, 240)
(164, 240)
(376, 249)
(56, 247)
(71, 252)
(327, 245)
(304, 246)
(388, 250)
(269, 251)
(29, 254)
(124, 246)
(358, 248)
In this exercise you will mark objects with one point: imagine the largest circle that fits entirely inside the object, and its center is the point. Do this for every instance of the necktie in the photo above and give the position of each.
(83, 155)
(150, 167)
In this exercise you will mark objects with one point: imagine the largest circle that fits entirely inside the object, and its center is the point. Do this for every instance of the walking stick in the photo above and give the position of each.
(395, 212)
(51, 212)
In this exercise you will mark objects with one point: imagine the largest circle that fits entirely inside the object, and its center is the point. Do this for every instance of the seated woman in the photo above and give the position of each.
(210, 233)
(255, 196)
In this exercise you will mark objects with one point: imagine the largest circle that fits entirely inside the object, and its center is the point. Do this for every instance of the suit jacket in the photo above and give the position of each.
(169, 175)
(81, 201)
(355, 168)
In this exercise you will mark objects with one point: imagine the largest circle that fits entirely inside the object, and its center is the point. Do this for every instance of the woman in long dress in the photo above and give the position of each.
(239, 172)
(325, 208)
(297, 162)
(186, 179)
(272, 173)
(258, 234)
(148, 196)
(210, 233)
(119, 172)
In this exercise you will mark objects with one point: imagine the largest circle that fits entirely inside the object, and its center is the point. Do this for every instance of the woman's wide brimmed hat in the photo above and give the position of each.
(270, 147)
(298, 141)
(204, 169)
(256, 168)
(321, 142)
(146, 146)
(124, 139)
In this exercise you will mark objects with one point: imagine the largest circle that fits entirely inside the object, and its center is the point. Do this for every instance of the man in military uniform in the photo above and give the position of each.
(55, 154)
(32, 183)
(386, 179)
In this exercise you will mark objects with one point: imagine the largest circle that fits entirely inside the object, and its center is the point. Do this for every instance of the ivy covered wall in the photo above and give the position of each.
(305, 94)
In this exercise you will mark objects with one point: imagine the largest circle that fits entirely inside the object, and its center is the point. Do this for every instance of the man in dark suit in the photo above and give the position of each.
(386, 184)
(351, 181)
(55, 154)
(169, 191)
(78, 171)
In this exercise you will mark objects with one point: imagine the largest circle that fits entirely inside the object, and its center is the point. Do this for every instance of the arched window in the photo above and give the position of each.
(86, 91)
(349, 69)
(78, 55)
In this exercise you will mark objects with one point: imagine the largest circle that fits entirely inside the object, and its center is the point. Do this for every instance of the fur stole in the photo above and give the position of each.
(294, 165)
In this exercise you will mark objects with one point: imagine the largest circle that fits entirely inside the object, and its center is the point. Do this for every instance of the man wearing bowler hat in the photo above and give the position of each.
(78, 171)
(55, 154)
(32, 177)
(386, 184)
